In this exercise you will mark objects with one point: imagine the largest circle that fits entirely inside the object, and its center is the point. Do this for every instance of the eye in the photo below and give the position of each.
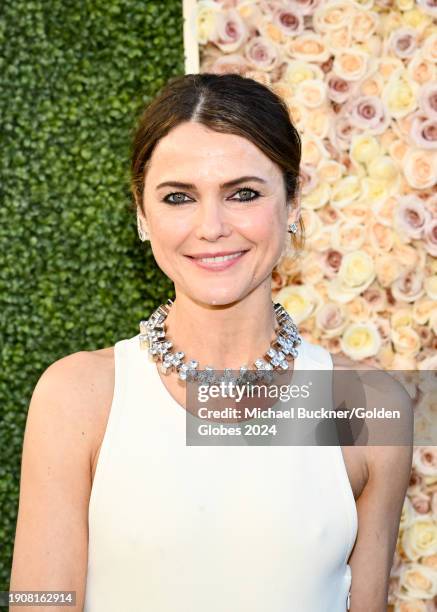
(247, 190)
(175, 193)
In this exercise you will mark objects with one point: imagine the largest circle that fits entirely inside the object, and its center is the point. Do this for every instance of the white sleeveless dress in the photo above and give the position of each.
(177, 528)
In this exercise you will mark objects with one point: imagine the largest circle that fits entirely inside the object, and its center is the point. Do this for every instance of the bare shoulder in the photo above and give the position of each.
(79, 388)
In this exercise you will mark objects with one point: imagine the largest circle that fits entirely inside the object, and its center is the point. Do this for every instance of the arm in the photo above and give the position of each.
(379, 509)
(51, 540)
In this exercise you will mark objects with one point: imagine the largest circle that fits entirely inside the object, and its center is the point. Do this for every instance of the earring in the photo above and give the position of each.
(141, 233)
(292, 228)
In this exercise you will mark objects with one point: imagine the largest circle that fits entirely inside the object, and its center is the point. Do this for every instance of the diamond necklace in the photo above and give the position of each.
(153, 337)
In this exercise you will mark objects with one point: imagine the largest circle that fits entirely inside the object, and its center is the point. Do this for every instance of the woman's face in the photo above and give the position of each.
(195, 212)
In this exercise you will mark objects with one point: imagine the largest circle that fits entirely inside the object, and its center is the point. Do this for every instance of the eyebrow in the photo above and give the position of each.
(241, 179)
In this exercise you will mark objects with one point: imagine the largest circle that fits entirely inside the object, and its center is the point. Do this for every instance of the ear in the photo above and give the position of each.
(142, 222)
(294, 205)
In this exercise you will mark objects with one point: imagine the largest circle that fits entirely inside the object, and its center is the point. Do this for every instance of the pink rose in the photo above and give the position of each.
(428, 6)
(261, 53)
(421, 503)
(369, 113)
(416, 481)
(331, 319)
(430, 238)
(423, 132)
(231, 31)
(331, 262)
(408, 287)
(403, 42)
(425, 460)
(338, 89)
(375, 296)
(289, 19)
(427, 99)
(411, 216)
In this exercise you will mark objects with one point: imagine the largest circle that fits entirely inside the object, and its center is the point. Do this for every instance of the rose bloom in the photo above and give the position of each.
(311, 93)
(411, 216)
(289, 19)
(420, 168)
(358, 309)
(421, 503)
(261, 54)
(372, 85)
(400, 94)
(231, 31)
(420, 69)
(409, 286)
(232, 63)
(420, 539)
(376, 298)
(423, 132)
(425, 460)
(351, 64)
(428, 6)
(430, 238)
(403, 42)
(330, 262)
(360, 340)
(308, 46)
(364, 148)
(381, 237)
(338, 89)
(427, 99)
(349, 236)
(406, 342)
(429, 47)
(330, 171)
(364, 24)
(331, 319)
(331, 17)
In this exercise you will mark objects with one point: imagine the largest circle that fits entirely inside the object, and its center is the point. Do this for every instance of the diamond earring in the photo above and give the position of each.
(292, 228)
(141, 233)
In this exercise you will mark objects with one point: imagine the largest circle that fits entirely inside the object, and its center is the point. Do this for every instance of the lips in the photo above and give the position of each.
(217, 265)
(218, 254)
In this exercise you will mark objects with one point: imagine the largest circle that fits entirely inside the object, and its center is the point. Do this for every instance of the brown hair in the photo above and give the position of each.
(228, 103)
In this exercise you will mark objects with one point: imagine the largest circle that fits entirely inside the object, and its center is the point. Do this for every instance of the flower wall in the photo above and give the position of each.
(360, 82)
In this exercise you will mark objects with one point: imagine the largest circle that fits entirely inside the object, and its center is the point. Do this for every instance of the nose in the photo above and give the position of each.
(211, 221)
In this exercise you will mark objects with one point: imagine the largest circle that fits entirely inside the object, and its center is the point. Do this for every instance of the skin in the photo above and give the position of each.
(212, 316)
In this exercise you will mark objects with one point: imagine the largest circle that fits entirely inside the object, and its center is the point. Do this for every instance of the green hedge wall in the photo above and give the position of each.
(75, 74)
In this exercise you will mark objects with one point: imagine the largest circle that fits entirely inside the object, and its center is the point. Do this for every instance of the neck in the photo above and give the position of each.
(222, 336)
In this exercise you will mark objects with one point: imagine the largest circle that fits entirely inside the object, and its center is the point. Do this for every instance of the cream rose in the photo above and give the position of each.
(364, 148)
(357, 270)
(421, 70)
(360, 341)
(318, 197)
(299, 301)
(430, 286)
(349, 236)
(333, 16)
(345, 191)
(420, 539)
(406, 341)
(309, 47)
(381, 237)
(351, 64)
(206, 18)
(387, 269)
(420, 168)
(422, 310)
(400, 94)
(311, 93)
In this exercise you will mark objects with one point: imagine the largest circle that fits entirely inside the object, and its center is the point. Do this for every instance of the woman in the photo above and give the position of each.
(113, 504)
